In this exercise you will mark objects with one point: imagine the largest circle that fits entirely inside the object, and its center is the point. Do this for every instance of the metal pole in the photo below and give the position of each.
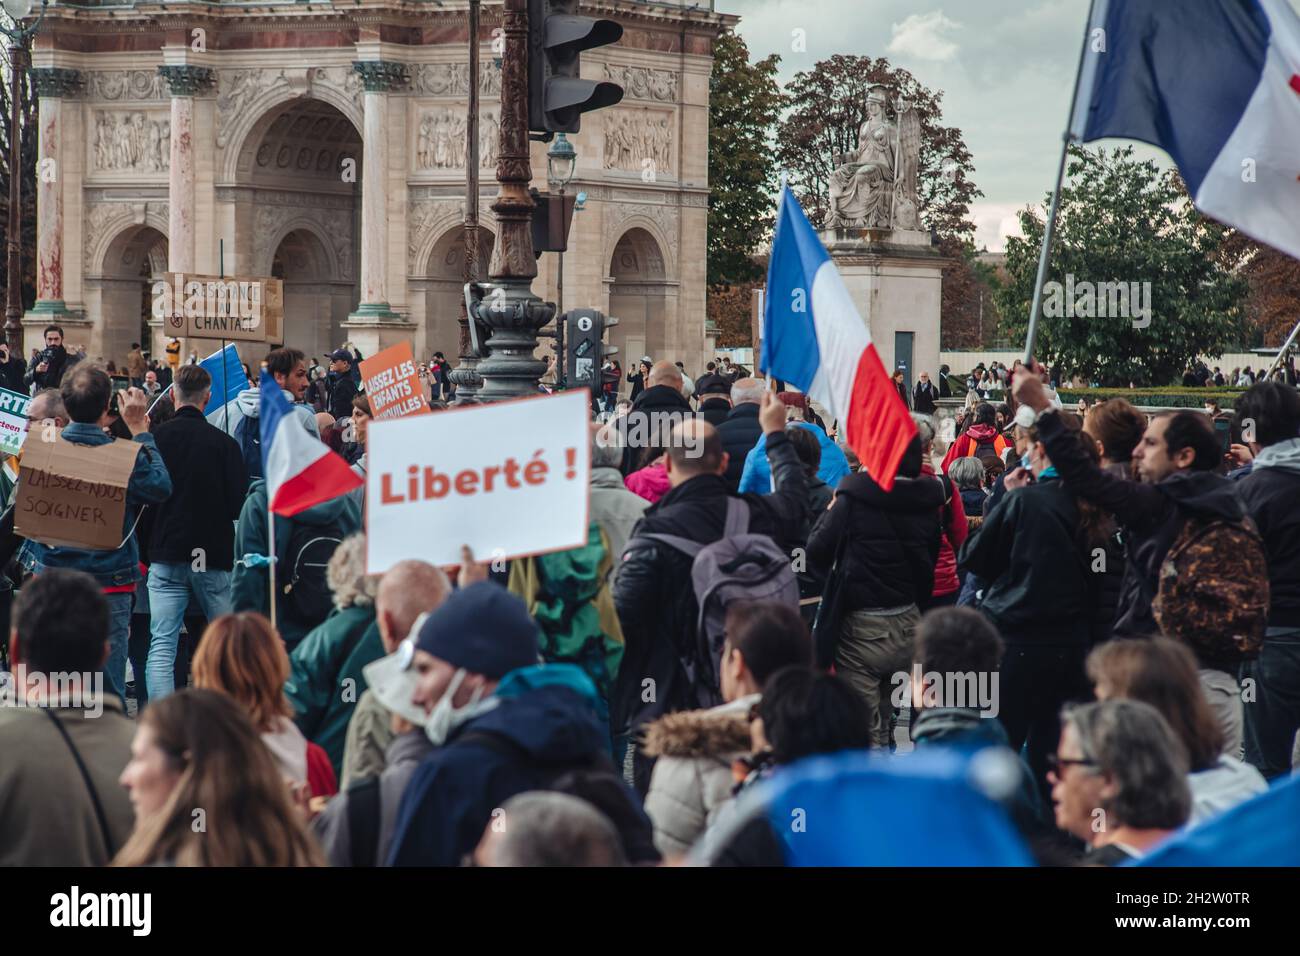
(270, 535)
(1049, 232)
(561, 360)
(225, 405)
(1281, 353)
(509, 309)
(465, 376)
(14, 278)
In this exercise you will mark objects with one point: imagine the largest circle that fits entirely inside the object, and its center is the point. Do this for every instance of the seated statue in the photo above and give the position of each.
(862, 185)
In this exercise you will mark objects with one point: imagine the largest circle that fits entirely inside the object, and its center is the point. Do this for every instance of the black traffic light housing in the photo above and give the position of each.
(585, 348)
(557, 95)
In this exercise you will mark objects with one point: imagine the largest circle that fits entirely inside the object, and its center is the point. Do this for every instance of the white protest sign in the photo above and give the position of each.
(509, 479)
(13, 420)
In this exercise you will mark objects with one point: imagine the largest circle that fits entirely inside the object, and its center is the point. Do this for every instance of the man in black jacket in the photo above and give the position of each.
(715, 402)
(886, 571)
(342, 389)
(1269, 414)
(925, 395)
(47, 368)
(711, 382)
(12, 370)
(653, 593)
(193, 543)
(654, 412)
(741, 430)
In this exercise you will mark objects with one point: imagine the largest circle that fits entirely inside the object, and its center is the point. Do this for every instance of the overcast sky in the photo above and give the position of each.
(1005, 67)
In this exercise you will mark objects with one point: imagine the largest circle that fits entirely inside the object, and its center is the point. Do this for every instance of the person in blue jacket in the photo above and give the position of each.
(757, 474)
(501, 723)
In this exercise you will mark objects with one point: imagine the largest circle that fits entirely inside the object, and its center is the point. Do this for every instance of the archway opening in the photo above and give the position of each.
(133, 262)
(638, 297)
(444, 287)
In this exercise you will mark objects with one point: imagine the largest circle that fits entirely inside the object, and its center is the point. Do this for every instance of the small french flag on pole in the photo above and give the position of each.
(1214, 83)
(814, 338)
(300, 470)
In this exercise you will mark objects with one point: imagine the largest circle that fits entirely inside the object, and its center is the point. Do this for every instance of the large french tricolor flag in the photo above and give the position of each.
(300, 470)
(814, 338)
(1214, 83)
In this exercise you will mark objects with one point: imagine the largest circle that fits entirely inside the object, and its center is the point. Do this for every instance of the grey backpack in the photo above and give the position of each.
(738, 566)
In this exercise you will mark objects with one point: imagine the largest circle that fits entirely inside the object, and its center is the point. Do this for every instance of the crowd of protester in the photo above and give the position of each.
(1120, 596)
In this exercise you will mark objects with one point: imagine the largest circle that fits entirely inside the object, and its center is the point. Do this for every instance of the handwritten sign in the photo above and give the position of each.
(508, 479)
(72, 495)
(238, 308)
(13, 420)
(392, 383)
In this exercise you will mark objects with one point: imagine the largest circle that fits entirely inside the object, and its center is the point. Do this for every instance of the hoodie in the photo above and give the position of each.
(247, 405)
(545, 725)
(1270, 492)
(976, 435)
(249, 587)
(756, 476)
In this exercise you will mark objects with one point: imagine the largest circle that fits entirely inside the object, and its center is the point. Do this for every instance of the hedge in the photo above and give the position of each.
(1172, 397)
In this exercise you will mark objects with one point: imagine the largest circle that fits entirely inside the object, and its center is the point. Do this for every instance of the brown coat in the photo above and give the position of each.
(135, 364)
(47, 817)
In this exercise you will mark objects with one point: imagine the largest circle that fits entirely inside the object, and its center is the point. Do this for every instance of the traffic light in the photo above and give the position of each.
(585, 349)
(557, 95)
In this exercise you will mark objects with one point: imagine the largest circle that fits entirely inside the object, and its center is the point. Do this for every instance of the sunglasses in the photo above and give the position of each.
(1056, 763)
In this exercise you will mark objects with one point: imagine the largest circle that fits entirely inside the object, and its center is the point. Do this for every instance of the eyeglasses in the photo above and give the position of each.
(1056, 763)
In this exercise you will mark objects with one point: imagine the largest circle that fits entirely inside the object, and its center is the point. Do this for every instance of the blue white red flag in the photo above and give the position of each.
(300, 470)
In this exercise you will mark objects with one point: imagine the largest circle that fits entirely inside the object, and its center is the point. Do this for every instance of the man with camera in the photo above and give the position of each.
(48, 367)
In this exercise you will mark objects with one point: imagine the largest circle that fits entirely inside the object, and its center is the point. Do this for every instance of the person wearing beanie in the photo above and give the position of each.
(500, 722)
(886, 570)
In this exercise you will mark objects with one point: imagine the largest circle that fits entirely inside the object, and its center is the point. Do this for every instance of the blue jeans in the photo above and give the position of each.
(119, 636)
(1273, 717)
(169, 596)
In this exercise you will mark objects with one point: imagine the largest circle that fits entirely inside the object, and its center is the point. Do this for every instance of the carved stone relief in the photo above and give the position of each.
(131, 141)
(643, 82)
(126, 85)
(236, 89)
(639, 141)
(441, 137)
(452, 79)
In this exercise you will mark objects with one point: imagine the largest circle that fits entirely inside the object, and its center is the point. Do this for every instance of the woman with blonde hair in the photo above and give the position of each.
(197, 758)
(330, 659)
(242, 656)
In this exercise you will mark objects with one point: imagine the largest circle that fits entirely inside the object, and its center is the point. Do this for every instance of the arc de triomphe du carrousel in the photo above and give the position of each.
(325, 144)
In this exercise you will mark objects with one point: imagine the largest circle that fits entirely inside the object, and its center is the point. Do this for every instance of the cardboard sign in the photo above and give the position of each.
(237, 308)
(392, 383)
(13, 420)
(74, 496)
(509, 479)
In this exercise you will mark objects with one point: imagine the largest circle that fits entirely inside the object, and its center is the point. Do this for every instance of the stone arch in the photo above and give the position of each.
(252, 121)
(134, 258)
(443, 283)
(656, 230)
(324, 259)
(315, 302)
(642, 297)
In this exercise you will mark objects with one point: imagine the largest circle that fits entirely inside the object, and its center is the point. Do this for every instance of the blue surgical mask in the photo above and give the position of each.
(1025, 460)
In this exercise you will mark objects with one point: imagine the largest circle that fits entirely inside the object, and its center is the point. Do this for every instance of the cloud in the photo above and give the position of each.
(994, 222)
(922, 36)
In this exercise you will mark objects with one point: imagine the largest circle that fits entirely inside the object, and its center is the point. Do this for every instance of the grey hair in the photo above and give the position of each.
(606, 448)
(1132, 743)
(52, 399)
(967, 472)
(747, 390)
(346, 574)
(924, 428)
(546, 828)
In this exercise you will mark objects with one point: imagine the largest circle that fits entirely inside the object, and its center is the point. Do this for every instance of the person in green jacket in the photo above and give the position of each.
(325, 679)
(249, 586)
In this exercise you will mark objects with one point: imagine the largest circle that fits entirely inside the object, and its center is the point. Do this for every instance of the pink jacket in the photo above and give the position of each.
(651, 482)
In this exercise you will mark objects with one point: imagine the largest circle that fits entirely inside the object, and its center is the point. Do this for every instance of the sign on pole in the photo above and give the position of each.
(392, 383)
(13, 420)
(74, 495)
(508, 479)
(237, 308)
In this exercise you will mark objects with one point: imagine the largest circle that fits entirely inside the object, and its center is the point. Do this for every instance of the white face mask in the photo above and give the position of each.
(444, 718)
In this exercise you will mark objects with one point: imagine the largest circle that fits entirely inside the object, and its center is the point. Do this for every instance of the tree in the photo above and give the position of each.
(27, 216)
(744, 102)
(1273, 277)
(1136, 286)
(969, 308)
(828, 107)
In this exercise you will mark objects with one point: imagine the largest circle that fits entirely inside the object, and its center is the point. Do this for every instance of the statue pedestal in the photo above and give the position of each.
(895, 278)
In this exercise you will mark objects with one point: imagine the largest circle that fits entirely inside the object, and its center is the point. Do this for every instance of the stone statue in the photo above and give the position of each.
(874, 186)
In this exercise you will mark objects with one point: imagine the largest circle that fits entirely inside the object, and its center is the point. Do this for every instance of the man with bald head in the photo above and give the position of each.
(741, 431)
(655, 411)
(407, 590)
(653, 593)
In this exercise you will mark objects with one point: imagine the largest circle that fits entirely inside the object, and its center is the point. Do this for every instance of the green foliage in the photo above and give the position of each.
(744, 102)
(1125, 221)
(1173, 397)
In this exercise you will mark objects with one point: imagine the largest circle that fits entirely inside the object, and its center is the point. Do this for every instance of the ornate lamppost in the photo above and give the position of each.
(19, 61)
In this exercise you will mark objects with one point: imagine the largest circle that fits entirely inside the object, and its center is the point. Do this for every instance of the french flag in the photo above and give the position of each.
(1214, 83)
(814, 338)
(300, 470)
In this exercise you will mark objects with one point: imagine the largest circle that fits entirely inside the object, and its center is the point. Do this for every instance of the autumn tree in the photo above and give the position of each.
(828, 105)
(1124, 222)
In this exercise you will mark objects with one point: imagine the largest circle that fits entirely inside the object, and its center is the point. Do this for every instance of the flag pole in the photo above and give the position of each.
(225, 394)
(270, 534)
(1049, 232)
(1281, 353)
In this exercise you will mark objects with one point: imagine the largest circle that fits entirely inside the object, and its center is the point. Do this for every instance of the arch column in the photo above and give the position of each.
(184, 82)
(51, 85)
(379, 78)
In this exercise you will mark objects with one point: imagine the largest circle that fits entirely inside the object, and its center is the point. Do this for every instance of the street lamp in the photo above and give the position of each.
(19, 61)
(561, 164)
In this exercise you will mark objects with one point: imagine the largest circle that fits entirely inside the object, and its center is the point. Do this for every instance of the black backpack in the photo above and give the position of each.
(310, 549)
(249, 435)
